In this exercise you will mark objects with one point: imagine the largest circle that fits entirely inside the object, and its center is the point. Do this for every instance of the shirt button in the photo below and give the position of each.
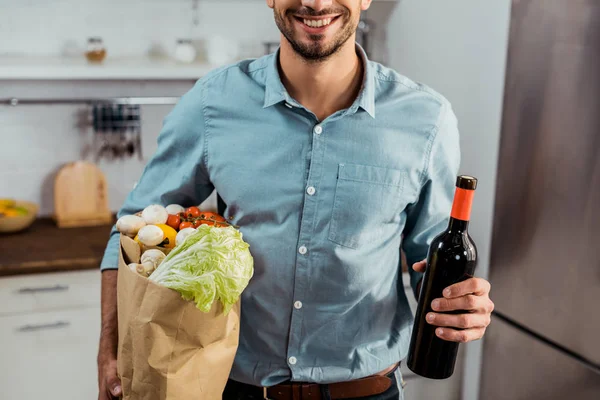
(311, 190)
(318, 129)
(292, 360)
(298, 305)
(302, 250)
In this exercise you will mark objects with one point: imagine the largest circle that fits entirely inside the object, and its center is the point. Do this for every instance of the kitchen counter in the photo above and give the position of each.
(44, 247)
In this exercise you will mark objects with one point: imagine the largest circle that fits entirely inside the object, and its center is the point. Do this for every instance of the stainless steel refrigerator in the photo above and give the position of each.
(544, 340)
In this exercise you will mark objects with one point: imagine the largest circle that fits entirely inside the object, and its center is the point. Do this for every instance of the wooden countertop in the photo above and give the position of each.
(44, 247)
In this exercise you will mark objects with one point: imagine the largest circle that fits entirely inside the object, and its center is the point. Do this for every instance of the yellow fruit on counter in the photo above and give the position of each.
(10, 212)
(14, 211)
(7, 203)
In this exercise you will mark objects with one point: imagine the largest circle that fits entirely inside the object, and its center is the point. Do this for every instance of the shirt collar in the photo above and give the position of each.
(275, 92)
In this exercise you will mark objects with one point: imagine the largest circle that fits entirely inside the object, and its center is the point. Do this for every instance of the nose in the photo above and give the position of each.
(317, 5)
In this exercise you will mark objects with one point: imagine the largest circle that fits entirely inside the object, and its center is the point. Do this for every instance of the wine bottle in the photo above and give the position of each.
(452, 257)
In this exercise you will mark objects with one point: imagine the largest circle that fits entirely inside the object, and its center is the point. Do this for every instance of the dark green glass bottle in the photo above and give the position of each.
(452, 258)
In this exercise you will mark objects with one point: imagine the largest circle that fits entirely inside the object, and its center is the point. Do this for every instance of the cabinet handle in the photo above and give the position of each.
(53, 325)
(56, 288)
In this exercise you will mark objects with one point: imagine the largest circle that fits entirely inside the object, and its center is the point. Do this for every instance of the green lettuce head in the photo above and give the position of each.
(211, 264)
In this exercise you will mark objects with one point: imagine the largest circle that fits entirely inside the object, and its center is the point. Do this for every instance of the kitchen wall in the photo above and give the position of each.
(36, 140)
(459, 48)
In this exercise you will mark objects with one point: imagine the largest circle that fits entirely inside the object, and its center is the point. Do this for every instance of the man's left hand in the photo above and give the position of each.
(470, 296)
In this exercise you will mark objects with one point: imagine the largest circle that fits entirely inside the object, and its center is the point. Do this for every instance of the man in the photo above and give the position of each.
(329, 164)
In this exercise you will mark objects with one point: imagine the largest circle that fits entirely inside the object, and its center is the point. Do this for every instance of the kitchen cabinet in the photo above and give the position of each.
(49, 330)
(47, 292)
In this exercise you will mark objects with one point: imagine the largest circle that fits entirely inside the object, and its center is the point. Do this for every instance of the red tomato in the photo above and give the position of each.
(212, 219)
(197, 223)
(185, 224)
(173, 221)
(192, 212)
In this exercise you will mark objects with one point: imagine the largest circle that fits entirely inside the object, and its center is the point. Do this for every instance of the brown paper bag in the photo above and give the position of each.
(168, 349)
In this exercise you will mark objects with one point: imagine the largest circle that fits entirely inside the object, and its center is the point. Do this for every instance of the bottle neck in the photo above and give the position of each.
(458, 226)
(461, 210)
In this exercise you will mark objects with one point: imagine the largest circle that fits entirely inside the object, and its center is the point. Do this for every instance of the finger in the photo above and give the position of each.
(114, 386)
(467, 335)
(462, 321)
(468, 303)
(420, 266)
(476, 286)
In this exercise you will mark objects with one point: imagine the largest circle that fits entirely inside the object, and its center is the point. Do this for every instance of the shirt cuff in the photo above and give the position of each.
(111, 254)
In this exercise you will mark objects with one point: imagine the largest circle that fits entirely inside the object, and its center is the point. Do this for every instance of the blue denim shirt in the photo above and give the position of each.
(325, 206)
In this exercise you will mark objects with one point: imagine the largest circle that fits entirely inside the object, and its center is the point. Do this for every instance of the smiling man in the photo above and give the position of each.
(329, 164)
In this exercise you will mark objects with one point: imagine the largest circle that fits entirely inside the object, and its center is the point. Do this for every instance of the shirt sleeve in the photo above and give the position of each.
(176, 173)
(429, 216)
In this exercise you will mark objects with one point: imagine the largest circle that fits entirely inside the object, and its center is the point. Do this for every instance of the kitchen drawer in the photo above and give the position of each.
(50, 355)
(41, 292)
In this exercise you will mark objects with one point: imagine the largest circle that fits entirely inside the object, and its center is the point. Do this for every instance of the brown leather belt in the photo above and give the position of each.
(369, 386)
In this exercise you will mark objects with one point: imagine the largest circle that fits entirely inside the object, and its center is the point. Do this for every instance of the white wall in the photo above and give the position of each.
(459, 47)
(35, 140)
(129, 27)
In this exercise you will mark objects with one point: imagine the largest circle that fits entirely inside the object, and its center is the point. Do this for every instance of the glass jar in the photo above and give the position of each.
(96, 52)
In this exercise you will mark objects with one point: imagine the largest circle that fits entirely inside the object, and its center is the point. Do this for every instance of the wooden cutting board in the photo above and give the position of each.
(80, 196)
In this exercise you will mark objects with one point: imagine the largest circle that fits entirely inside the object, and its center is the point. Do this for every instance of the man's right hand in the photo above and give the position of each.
(108, 381)
(109, 386)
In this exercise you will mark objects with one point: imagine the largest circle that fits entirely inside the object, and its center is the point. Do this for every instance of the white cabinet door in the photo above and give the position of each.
(49, 355)
(43, 292)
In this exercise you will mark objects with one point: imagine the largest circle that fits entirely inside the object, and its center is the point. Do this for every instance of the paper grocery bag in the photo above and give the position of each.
(168, 349)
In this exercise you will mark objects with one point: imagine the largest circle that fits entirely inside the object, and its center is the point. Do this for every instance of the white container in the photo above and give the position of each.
(185, 52)
(221, 50)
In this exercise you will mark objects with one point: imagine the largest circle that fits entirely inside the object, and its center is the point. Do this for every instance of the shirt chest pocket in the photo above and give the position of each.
(367, 204)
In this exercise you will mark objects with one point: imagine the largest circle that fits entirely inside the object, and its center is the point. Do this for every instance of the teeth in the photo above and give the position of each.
(317, 23)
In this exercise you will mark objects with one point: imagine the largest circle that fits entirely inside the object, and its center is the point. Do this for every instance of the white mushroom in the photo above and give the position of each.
(133, 267)
(155, 214)
(130, 225)
(144, 269)
(174, 209)
(183, 234)
(153, 256)
(151, 235)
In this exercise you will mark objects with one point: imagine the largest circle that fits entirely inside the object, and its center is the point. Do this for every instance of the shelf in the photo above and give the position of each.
(57, 68)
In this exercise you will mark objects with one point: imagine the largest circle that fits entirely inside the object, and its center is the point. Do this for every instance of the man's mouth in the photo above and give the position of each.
(317, 22)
